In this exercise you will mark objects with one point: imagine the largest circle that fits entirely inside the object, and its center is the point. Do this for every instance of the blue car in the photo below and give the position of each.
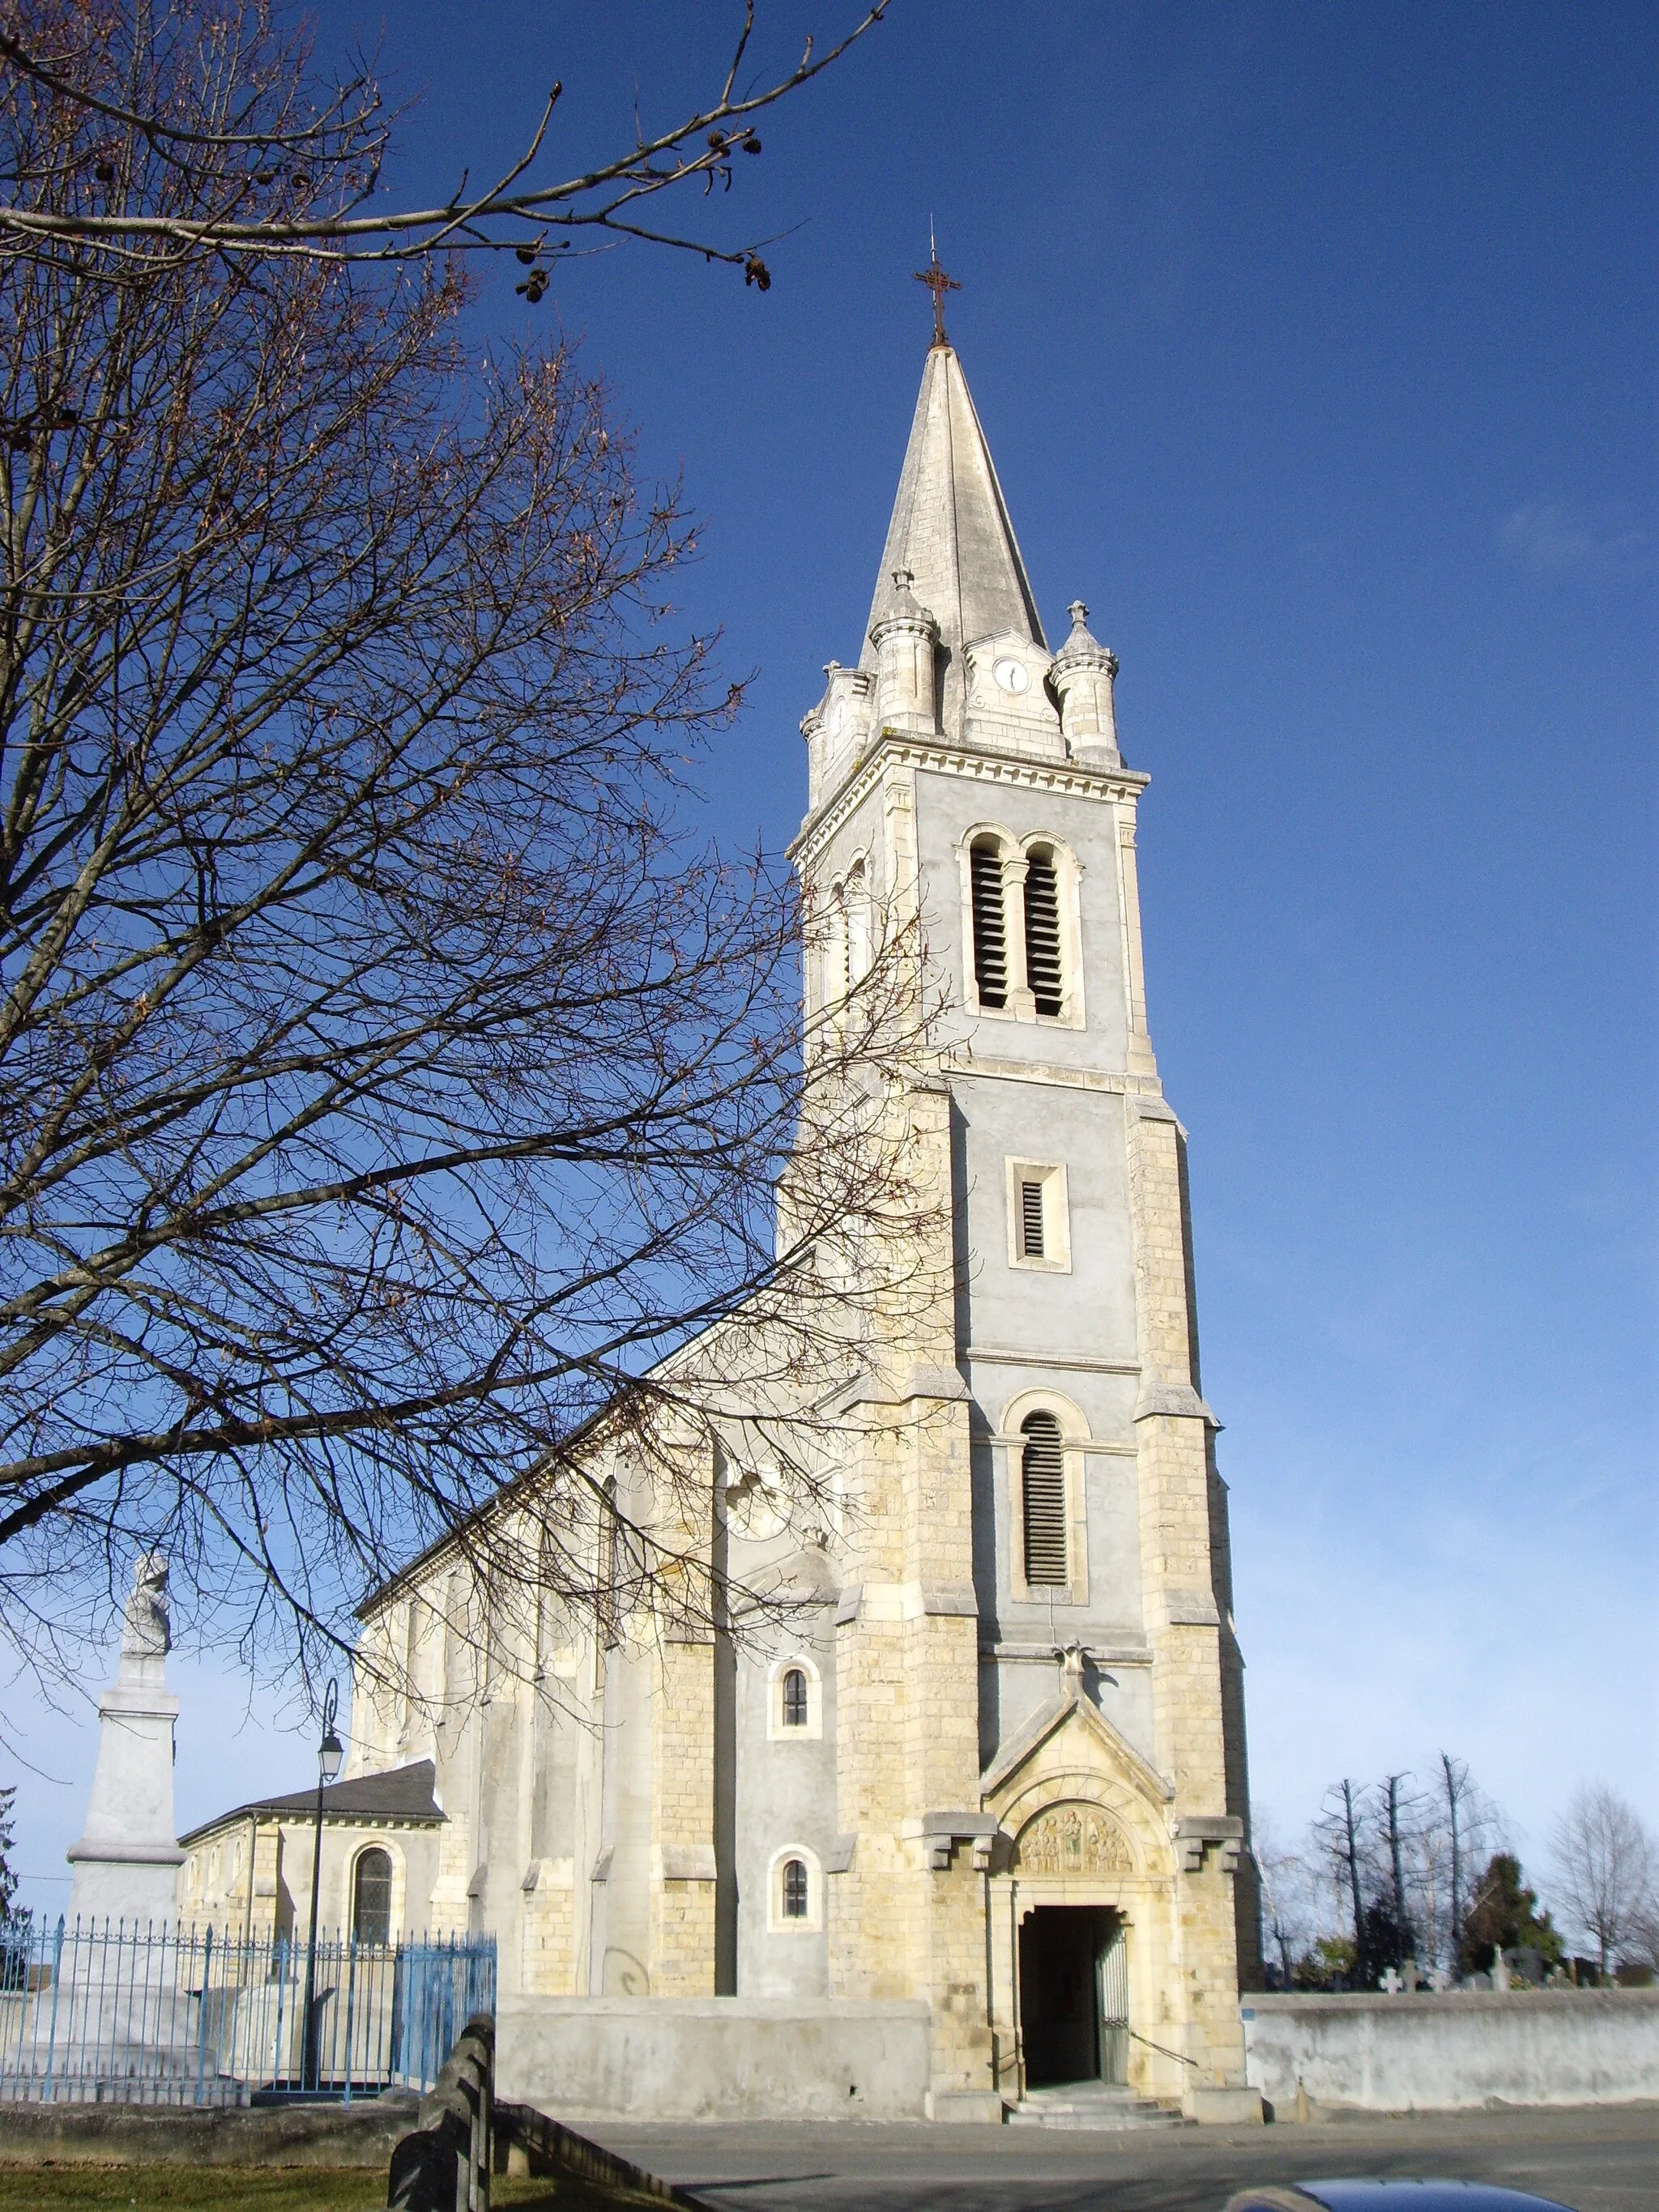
(1389, 2197)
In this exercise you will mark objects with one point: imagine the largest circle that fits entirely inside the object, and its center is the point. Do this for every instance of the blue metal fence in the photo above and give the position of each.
(111, 2013)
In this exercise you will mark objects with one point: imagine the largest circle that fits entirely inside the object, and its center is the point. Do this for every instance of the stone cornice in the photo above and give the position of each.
(977, 764)
(232, 1825)
(998, 1355)
(1147, 1091)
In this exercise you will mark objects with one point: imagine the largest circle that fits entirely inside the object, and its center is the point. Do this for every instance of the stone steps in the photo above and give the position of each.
(1090, 2105)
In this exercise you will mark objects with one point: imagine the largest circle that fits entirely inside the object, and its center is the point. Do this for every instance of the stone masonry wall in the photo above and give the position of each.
(683, 1822)
(1182, 1617)
(1456, 2052)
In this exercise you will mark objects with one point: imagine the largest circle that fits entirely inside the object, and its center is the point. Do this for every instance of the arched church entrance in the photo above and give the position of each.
(1073, 1995)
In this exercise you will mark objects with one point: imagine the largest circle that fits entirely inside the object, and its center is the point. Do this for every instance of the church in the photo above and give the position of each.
(989, 1763)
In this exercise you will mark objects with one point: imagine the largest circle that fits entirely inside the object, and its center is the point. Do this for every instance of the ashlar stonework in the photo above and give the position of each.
(1007, 1742)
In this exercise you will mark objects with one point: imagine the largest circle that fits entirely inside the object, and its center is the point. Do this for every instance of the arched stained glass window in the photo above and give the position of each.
(371, 1897)
(794, 1889)
(794, 1698)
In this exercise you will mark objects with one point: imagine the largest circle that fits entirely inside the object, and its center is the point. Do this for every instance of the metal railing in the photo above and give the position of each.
(111, 2013)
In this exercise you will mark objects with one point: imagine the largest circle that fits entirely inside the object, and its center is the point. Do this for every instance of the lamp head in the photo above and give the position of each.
(331, 1750)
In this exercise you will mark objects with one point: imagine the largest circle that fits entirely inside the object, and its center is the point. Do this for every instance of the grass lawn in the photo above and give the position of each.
(265, 2189)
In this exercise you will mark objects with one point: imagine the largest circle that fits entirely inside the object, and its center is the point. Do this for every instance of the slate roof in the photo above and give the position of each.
(949, 528)
(404, 1794)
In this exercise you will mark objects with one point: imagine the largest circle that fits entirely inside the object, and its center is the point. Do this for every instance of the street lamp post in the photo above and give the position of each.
(330, 1753)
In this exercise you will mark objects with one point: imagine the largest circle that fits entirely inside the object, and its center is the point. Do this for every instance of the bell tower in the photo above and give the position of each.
(1039, 1744)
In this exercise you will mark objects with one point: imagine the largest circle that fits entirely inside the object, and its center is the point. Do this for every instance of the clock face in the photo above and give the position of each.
(1010, 675)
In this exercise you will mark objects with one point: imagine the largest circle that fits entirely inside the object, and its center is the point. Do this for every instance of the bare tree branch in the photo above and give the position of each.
(397, 1101)
(316, 164)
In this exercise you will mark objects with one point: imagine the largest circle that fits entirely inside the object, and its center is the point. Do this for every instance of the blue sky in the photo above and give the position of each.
(1316, 346)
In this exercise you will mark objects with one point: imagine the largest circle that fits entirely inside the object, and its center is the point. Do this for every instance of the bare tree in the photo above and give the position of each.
(1606, 1864)
(165, 143)
(1453, 1778)
(389, 1088)
(1456, 1829)
(1343, 1827)
(1398, 1827)
(1288, 1894)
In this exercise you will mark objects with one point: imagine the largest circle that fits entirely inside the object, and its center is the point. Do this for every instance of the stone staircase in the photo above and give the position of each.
(1090, 2105)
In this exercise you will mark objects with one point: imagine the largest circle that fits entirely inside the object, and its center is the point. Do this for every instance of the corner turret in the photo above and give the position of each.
(1081, 678)
(904, 636)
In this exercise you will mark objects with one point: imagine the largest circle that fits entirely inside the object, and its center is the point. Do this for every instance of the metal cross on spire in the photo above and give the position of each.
(938, 284)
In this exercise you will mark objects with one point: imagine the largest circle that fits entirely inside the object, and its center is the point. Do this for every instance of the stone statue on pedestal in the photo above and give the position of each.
(127, 1860)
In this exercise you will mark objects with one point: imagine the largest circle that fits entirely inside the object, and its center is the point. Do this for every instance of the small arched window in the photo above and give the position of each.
(1042, 1465)
(1043, 970)
(990, 932)
(795, 1897)
(794, 1698)
(371, 1897)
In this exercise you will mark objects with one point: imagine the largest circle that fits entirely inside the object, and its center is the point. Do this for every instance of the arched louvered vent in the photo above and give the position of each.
(990, 937)
(858, 926)
(837, 954)
(1043, 1467)
(1043, 969)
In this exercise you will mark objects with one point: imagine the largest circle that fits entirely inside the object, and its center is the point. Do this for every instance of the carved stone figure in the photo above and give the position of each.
(147, 1633)
(1072, 1839)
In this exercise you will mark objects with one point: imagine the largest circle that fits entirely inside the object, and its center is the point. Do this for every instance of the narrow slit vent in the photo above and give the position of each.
(990, 937)
(1031, 1220)
(1043, 1468)
(1043, 969)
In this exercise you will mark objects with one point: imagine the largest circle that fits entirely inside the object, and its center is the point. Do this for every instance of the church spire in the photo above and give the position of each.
(950, 531)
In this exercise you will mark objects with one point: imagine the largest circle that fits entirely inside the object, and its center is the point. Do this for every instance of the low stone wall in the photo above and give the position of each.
(360, 2134)
(1455, 2051)
(712, 2058)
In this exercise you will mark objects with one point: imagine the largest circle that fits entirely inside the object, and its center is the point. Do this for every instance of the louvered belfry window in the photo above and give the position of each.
(1043, 968)
(1043, 1466)
(990, 936)
(1031, 1220)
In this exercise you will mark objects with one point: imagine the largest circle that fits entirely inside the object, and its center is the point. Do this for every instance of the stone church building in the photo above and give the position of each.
(991, 1761)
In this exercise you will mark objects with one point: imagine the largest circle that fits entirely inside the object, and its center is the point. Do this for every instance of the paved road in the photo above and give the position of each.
(1595, 2161)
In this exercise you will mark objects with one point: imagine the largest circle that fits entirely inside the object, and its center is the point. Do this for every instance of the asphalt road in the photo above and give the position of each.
(1593, 2160)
